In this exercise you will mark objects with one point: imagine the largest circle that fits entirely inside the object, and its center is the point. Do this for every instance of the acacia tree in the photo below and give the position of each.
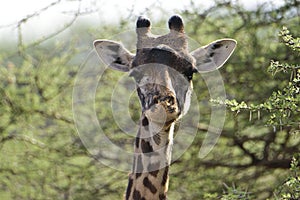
(261, 136)
(281, 111)
(42, 156)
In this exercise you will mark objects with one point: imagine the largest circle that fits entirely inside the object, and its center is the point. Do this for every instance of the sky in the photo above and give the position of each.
(108, 11)
(13, 10)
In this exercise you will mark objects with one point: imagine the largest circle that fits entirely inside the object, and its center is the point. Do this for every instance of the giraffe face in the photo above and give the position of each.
(163, 67)
(164, 82)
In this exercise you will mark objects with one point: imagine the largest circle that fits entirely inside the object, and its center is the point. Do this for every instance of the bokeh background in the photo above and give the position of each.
(43, 44)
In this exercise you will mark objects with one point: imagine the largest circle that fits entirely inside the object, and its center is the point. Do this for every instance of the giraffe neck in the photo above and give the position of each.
(150, 175)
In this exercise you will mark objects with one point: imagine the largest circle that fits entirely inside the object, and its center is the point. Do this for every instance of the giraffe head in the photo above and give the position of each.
(163, 67)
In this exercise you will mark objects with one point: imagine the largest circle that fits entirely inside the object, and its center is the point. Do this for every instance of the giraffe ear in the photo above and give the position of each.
(114, 54)
(213, 55)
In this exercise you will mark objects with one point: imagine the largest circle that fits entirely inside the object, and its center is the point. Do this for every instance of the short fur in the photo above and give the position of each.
(163, 70)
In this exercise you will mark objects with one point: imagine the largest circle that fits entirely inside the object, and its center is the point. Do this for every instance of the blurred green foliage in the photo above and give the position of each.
(290, 189)
(43, 157)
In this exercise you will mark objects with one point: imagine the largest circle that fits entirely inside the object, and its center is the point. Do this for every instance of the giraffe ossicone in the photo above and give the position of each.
(163, 69)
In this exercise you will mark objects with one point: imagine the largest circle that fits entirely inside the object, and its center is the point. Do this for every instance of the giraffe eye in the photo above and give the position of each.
(189, 74)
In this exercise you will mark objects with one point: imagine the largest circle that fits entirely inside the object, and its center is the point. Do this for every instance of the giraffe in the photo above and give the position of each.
(163, 69)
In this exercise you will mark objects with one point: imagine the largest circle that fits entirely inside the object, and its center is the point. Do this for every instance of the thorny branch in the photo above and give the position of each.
(19, 26)
(271, 157)
(35, 14)
(21, 46)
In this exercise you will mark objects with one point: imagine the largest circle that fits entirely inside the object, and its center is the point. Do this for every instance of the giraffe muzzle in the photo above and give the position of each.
(163, 110)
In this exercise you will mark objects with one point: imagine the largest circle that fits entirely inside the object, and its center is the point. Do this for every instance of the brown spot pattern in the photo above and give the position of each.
(146, 147)
(129, 187)
(136, 195)
(162, 197)
(165, 176)
(147, 183)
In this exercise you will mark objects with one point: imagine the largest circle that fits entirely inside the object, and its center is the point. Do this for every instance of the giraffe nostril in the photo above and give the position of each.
(170, 100)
